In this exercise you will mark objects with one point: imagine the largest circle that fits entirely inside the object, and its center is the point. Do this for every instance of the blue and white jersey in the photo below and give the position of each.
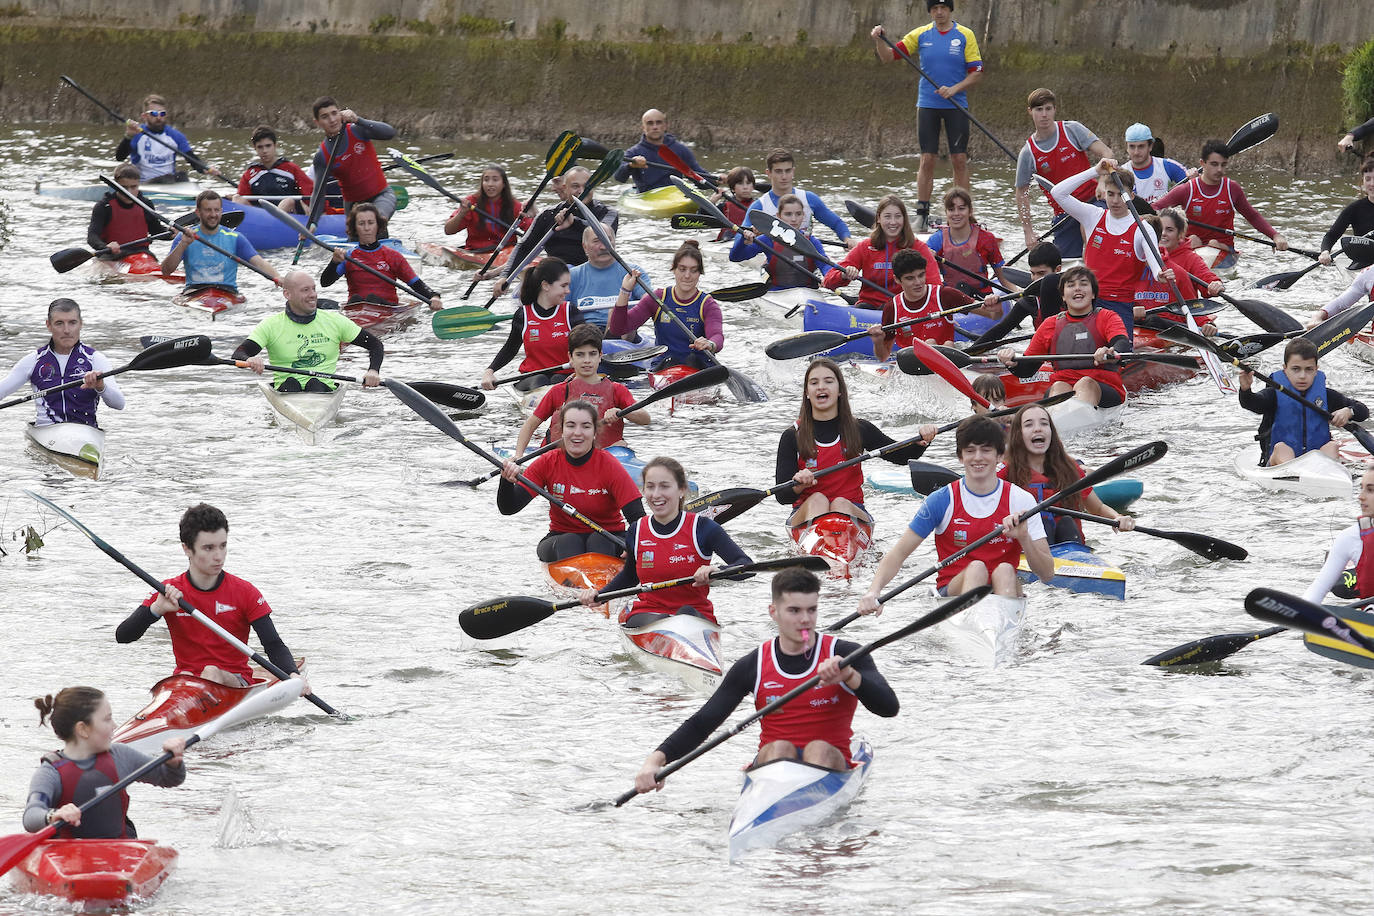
(152, 157)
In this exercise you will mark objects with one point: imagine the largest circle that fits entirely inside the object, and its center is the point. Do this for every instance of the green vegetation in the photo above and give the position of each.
(383, 23)
(1357, 84)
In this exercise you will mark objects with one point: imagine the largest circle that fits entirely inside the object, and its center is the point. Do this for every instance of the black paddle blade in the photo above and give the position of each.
(69, 259)
(1339, 328)
(911, 364)
(704, 203)
(1201, 544)
(743, 388)
(1210, 649)
(1252, 134)
(1268, 317)
(455, 397)
(504, 616)
(695, 221)
(1248, 346)
(590, 149)
(1186, 337)
(1362, 436)
(1273, 606)
(926, 477)
(180, 351)
(621, 357)
(807, 344)
(724, 505)
(741, 293)
(1286, 279)
(954, 355)
(1182, 360)
(864, 216)
(1359, 247)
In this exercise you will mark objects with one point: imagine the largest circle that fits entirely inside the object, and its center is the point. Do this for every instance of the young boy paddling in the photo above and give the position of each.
(1056, 150)
(355, 164)
(1288, 429)
(916, 300)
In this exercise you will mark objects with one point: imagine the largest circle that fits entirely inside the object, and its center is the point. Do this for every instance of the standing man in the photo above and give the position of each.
(782, 173)
(1056, 150)
(594, 285)
(948, 52)
(1154, 176)
(204, 265)
(117, 220)
(64, 358)
(273, 175)
(152, 144)
(356, 167)
(657, 157)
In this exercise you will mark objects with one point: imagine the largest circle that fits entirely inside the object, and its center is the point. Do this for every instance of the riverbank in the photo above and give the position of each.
(820, 101)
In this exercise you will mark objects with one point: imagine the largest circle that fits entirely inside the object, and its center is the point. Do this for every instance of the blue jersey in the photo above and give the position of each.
(594, 290)
(947, 57)
(205, 265)
(152, 156)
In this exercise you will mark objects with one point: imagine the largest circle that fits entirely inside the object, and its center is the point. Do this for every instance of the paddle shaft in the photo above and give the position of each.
(1250, 238)
(156, 237)
(191, 158)
(723, 573)
(317, 198)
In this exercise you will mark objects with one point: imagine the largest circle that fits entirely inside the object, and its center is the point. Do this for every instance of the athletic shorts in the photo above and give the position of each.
(385, 203)
(928, 121)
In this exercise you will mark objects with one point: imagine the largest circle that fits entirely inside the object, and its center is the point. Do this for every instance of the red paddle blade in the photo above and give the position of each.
(940, 364)
(16, 846)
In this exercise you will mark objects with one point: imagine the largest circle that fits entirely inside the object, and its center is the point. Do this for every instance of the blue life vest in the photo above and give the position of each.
(205, 266)
(1302, 429)
(666, 330)
(75, 405)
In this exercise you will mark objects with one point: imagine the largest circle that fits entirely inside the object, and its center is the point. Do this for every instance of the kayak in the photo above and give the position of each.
(684, 646)
(266, 231)
(990, 631)
(1078, 569)
(310, 411)
(209, 300)
(171, 192)
(380, 317)
(820, 315)
(1362, 346)
(841, 539)
(1312, 474)
(99, 874)
(783, 797)
(75, 446)
(585, 570)
(894, 478)
(658, 203)
(461, 258)
(1075, 417)
(661, 378)
(140, 265)
(182, 703)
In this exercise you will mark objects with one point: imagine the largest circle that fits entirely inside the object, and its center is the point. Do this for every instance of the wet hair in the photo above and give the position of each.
(207, 195)
(579, 404)
(690, 249)
(1300, 347)
(850, 436)
(673, 467)
(906, 238)
(796, 580)
(778, 155)
(906, 261)
(63, 305)
(990, 386)
(958, 193)
(1061, 470)
(548, 270)
(737, 174)
(198, 518)
(979, 430)
(262, 132)
(365, 207)
(1215, 146)
(585, 335)
(1075, 272)
(127, 170)
(1041, 97)
(507, 196)
(70, 706)
(323, 102)
(1044, 254)
(1175, 216)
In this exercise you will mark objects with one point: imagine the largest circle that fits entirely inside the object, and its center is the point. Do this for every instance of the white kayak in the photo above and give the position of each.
(784, 796)
(683, 646)
(75, 446)
(990, 631)
(310, 411)
(1075, 417)
(1312, 474)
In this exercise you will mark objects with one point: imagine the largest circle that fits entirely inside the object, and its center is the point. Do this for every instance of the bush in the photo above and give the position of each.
(1357, 85)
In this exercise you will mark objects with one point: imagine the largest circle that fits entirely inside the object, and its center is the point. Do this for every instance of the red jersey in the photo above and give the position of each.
(233, 603)
(847, 484)
(482, 232)
(974, 254)
(821, 714)
(385, 259)
(356, 167)
(126, 224)
(963, 529)
(1364, 569)
(1183, 261)
(938, 299)
(1111, 257)
(597, 489)
(1063, 333)
(546, 339)
(1063, 160)
(875, 265)
(660, 557)
(602, 394)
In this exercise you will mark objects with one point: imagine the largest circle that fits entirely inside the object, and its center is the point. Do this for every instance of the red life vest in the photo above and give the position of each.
(546, 339)
(1214, 208)
(968, 257)
(126, 224)
(1039, 486)
(1111, 257)
(941, 330)
(1082, 335)
(847, 484)
(1364, 569)
(963, 529)
(660, 557)
(1062, 161)
(821, 714)
(356, 167)
(779, 264)
(79, 786)
(384, 259)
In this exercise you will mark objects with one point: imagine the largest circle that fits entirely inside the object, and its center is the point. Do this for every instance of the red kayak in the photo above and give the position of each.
(841, 539)
(95, 873)
(1137, 376)
(209, 300)
(137, 266)
(182, 703)
(380, 317)
(465, 258)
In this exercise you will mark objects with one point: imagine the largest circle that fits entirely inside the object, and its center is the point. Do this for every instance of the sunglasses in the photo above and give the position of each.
(152, 113)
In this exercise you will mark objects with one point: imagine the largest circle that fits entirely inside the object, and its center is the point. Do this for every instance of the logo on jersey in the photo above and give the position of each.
(221, 608)
(960, 535)
(824, 701)
(576, 489)
(646, 559)
(682, 546)
(358, 148)
(772, 685)
(557, 488)
(1097, 238)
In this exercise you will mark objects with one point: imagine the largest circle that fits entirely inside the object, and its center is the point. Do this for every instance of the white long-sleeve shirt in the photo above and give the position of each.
(1089, 215)
(22, 372)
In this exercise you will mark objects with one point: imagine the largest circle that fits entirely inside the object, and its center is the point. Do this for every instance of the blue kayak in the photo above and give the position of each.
(266, 231)
(1078, 569)
(818, 315)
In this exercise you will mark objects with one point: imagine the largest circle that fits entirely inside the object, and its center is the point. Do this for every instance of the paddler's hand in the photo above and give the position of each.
(992, 305)
(113, 248)
(944, 92)
(644, 779)
(1014, 527)
(1195, 241)
(1342, 416)
(1215, 288)
(214, 170)
(1280, 243)
(852, 242)
(868, 604)
(435, 303)
(1344, 144)
(877, 32)
(876, 332)
(349, 116)
(610, 416)
(638, 162)
(701, 343)
(93, 380)
(564, 221)
(1006, 356)
(928, 433)
(1125, 523)
(132, 127)
(1209, 329)
(805, 478)
(305, 684)
(69, 813)
(831, 673)
(1167, 275)
(1245, 379)
(509, 471)
(336, 255)
(489, 379)
(1102, 354)
(166, 603)
(1138, 312)
(256, 364)
(176, 747)
(851, 273)
(587, 596)
(702, 575)
(1105, 167)
(371, 378)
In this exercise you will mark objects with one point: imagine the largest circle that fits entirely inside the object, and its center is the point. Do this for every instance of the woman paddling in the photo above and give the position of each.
(693, 306)
(368, 228)
(872, 257)
(1181, 264)
(1348, 551)
(541, 325)
(785, 268)
(89, 762)
(1037, 461)
(586, 478)
(966, 244)
(486, 214)
(669, 544)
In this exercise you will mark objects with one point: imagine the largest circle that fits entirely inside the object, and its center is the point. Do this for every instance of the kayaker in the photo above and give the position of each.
(1181, 264)
(1360, 290)
(786, 269)
(594, 285)
(1357, 216)
(273, 175)
(146, 145)
(963, 242)
(1154, 175)
(1287, 428)
(233, 603)
(995, 393)
(368, 227)
(948, 52)
(669, 544)
(204, 266)
(116, 220)
(817, 726)
(89, 762)
(1214, 199)
(1041, 299)
(1117, 254)
(734, 197)
(825, 433)
(1347, 552)
(657, 156)
(872, 257)
(541, 325)
(355, 166)
(64, 358)
(1055, 151)
(782, 172)
(915, 299)
(1096, 379)
(566, 241)
(486, 214)
(966, 510)
(306, 337)
(694, 306)
(1036, 461)
(585, 384)
(586, 478)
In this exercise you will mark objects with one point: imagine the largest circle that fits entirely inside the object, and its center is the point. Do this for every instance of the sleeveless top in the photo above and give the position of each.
(1063, 160)
(79, 786)
(963, 529)
(360, 174)
(1111, 257)
(941, 330)
(546, 339)
(847, 484)
(75, 405)
(1214, 208)
(821, 714)
(666, 330)
(661, 557)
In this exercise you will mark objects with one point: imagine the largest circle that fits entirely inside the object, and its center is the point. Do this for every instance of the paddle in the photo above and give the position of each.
(1273, 606)
(169, 354)
(1203, 545)
(464, 321)
(71, 258)
(561, 154)
(1305, 252)
(742, 292)
(743, 388)
(704, 221)
(15, 847)
(782, 234)
(1209, 649)
(715, 375)
(317, 197)
(1138, 457)
(504, 616)
(811, 342)
(1360, 248)
(943, 612)
(1252, 133)
(454, 397)
(1340, 327)
(1168, 359)
(1268, 317)
(262, 661)
(921, 358)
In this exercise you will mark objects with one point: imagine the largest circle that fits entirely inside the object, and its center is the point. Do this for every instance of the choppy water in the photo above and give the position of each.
(1075, 782)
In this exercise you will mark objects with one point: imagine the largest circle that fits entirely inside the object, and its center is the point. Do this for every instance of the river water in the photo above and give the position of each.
(474, 775)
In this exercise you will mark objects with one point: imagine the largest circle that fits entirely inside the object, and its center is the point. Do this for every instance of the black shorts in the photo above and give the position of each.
(928, 121)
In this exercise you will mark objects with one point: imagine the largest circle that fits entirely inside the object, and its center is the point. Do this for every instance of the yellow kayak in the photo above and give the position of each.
(659, 203)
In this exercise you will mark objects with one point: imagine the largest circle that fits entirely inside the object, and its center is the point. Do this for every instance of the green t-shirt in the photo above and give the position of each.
(313, 346)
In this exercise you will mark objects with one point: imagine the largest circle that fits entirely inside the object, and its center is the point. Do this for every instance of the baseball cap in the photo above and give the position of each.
(1138, 132)
(931, 4)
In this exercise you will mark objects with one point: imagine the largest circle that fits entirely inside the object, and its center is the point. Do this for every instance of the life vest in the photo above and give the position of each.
(1040, 487)
(364, 286)
(1111, 257)
(601, 395)
(1364, 569)
(660, 557)
(967, 256)
(788, 270)
(963, 529)
(941, 330)
(104, 821)
(356, 167)
(75, 405)
(1301, 428)
(1154, 182)
(272, 181)
(666, 330)
(1063, 160)
(1215, 208)
(1078, 335)
(125, 223)
(847, 484)
(546, 339)
(821, 714)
